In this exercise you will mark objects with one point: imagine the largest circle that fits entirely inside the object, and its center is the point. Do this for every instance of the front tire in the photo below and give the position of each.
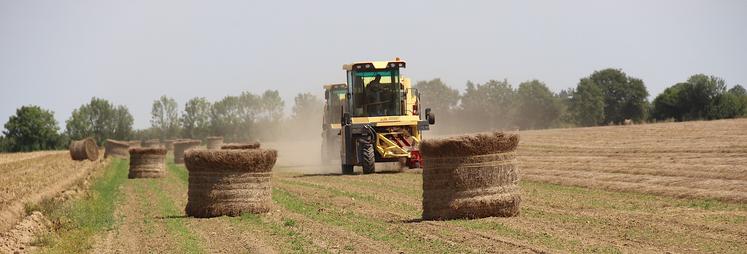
(368, 158)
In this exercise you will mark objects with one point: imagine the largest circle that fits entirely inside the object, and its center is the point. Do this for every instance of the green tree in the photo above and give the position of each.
(437, 96)
(668, 104)
(101, 120)
(624, 97)
(226, 118)
(165, 117)
(536, 105)
(587, 104)
(272, 105)
(701, 97)
(31, 128)
(196, 118)
(307, 108)
(488, 106)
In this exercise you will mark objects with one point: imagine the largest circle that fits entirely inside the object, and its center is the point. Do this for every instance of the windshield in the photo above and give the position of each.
(334, 104)
(375, 93)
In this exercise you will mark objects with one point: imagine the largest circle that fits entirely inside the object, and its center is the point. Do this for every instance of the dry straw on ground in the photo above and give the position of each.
(147, 162)
(214, 142)
(117, 149)
(470, 176)
(84, 149)
(182, 146)
(229, 182)
(240, 146)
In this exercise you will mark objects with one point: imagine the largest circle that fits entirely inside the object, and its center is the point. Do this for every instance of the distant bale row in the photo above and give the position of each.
(471, 176)
(135, 143)
(84, 149)
(229, 182)
(152, 143)
(117, 149)
(182, 146)
(147, 162)
(214, 142)
(239, 146)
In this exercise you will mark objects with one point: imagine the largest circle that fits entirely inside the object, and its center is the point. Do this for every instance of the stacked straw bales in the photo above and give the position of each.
(471, 176)
(229, 182)
(117, 149)
(214, 142)
(239, 146)
(147, 162)
(182, 146)
(84, 149)
(152, 143)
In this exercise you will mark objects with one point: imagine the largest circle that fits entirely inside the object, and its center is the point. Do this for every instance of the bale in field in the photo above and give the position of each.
(238, 146)
(169, 144)
(471, 176)
(117, 149)
(229, 182)
(135, 143)
(182, 146)
(84, 149)
(214, 142)
(152, 143)
(147, 162)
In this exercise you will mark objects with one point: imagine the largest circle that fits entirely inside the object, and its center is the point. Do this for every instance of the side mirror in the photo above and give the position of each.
(430, 116)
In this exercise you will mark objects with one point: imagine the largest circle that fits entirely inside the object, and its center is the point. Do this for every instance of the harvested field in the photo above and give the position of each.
(690, 160)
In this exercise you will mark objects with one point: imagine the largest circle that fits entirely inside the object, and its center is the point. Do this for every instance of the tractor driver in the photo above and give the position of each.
(373, 95)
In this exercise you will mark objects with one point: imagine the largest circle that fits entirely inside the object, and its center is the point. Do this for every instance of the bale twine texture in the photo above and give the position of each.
(237, 146)
(84, 149)
(182, 146)
(472, 176)
(147, 163)
(117, 149)
(214, 143)
(229, 182)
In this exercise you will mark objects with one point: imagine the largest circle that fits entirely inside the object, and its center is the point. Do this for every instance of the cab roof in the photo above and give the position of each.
(330, 86)
(374, 65)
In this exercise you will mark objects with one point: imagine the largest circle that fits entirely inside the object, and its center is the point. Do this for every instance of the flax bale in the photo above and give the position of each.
(214, 142)
(152, 143)
(239, 146)
(182, 146)
(84, 149)
(229, 182)
(147, 162)
(117, 149)
(472, 176)
(135, 143)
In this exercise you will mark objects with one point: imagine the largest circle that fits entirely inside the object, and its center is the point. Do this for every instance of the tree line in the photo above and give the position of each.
(605, 97)
(608, 96)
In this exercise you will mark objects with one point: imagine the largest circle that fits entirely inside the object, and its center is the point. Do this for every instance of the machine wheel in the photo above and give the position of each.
(368, 157)
(347, 169)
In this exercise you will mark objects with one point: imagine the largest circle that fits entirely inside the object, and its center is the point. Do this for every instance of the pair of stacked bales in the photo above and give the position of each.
(230, 181)
(114, 148)
(470, 177)
(84, 149)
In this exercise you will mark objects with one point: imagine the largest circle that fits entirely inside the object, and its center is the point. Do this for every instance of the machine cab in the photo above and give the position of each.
(375, 89)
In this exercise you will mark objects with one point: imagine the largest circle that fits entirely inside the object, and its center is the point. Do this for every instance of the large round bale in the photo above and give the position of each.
(240, 146)
(152, 143)
(214, 142)
(229, 182)
(116, 148)
(84, 149)
(472, 176)
(147, 162)
(182, 146)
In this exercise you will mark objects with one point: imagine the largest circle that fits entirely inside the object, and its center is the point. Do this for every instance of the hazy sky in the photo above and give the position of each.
(59, 54)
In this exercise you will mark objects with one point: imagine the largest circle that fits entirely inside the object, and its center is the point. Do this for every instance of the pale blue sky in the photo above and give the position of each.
(59, 54)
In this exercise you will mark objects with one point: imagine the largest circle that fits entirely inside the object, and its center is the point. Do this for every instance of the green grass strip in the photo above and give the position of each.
(79, 220)
(294, 241)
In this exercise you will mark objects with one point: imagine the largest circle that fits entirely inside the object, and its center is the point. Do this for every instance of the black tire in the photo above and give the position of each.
(347, 169)
(368, 157)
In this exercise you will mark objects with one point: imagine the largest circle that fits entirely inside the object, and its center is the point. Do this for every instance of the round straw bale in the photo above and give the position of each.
(239, 146)
(214, 142)
(152, 143)
(182, 146)
(470, 177)
(84, 149)
(147, 162)
(229, 182)
(116, 148)
(135, 143)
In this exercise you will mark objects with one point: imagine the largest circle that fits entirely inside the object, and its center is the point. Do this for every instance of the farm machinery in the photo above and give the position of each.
(380, 116)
